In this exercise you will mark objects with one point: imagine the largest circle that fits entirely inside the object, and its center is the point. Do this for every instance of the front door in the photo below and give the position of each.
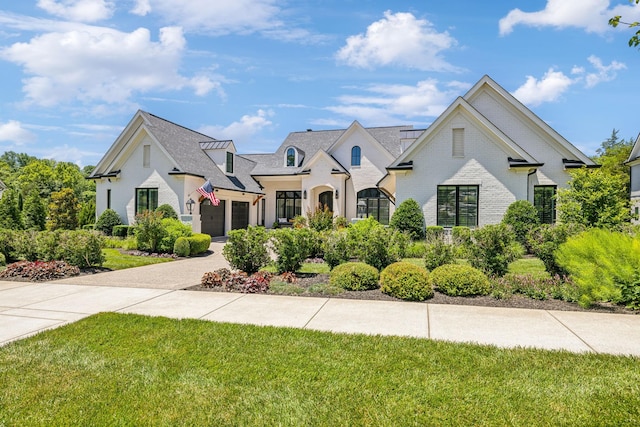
(326, 199)
(212, 218)
(239, 215)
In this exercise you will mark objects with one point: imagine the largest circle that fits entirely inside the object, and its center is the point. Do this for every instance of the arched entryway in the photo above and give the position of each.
(326, 199)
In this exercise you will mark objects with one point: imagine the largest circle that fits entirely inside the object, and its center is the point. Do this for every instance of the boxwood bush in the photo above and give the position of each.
(406, 281)
(199, 243)
(460, 280)
(174, 228)
(123, 231)
(107, 220)
(354, 276)
(181, 247)
(409, 218)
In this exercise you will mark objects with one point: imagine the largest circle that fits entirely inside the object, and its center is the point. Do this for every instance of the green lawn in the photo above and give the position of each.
(115, 369)
(119, 261)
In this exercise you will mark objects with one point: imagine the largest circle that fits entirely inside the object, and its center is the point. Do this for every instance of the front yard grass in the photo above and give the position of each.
(116, 369)
(116, 260)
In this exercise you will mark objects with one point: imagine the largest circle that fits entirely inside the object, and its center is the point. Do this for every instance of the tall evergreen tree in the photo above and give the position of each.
(34, 212)
(63, 210)
(9, 213)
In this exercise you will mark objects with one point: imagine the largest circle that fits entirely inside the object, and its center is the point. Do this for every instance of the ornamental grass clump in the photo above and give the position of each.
(406, 281)
(460, 280)
(354, 276)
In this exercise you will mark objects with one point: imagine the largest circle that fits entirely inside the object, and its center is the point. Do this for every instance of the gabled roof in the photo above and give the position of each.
(310, 142)
(461, 105)
(183, 147)
(519, 157)
(634, 156)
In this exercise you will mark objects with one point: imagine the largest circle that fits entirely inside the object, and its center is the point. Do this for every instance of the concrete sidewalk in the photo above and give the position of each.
(28, 308)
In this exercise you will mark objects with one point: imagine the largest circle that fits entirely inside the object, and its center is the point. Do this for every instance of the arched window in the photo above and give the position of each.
(372, 202)
(291, 156)
(355, 156)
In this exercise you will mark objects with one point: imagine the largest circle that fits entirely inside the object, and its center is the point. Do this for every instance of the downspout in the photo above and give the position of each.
(344, 192)
(528, 178)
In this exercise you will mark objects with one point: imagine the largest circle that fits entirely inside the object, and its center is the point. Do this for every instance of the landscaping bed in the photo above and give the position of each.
(307, 285)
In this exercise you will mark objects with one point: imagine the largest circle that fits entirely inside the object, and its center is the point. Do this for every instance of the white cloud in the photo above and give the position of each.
(398, 39)
(591, 15)
(241, 131)
(102, 64)
(79, 10)
(13, 131)
(604, 73)
(548, 89)
(218, 17)
(391, 104)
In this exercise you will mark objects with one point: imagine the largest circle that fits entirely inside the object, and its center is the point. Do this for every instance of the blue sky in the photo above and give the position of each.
(75, 71)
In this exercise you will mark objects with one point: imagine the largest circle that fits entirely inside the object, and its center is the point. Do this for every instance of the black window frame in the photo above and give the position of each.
(373, 203)
(229, 162)
(457, 211)
(286, 210)
(356, 155)
(545, 204)
(149, 192)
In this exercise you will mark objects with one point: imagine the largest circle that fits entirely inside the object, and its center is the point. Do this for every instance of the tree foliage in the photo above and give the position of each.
(9, 212)
(617, 20)
(594, 198)
(612, 155)
(63, 210)
(34, 212)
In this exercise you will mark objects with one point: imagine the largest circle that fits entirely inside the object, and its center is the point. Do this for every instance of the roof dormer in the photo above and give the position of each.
(222, 153)
(291, 157)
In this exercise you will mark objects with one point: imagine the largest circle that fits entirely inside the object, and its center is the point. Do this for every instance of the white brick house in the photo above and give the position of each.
(634, 164)
(483, 153)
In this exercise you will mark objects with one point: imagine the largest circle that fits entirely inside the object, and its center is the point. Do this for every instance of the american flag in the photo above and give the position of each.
(207, 191)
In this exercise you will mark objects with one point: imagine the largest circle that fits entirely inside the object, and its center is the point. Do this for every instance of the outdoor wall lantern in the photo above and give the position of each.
(190, 204)
(304, 194)
(337, 194)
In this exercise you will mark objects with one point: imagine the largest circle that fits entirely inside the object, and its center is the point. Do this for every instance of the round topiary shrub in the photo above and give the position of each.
(460, 280)
(354, 276)
(406, 281)
(107, 220)
(167, 211)
(409, 217)
(181, 247)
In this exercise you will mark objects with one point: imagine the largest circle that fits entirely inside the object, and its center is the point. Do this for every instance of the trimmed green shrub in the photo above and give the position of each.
(173, 228)
(7, 240)
(374, 244)
(149, 230)
(167, 211)
(181, 247)
(335, 246)
(26, 244)
(80, 248)
(494, 248)
(292, 246)
(246, 249)
(406, 281)
(460, 280)
(3, 260)
(438, 253)
(416, 249)
(605, 265)
(123, 230)
(199, 243)
(89, 227)
(433, 232)
(354, 276)
(107, 220)
(409, 218)
(523, 217)
(546, 239)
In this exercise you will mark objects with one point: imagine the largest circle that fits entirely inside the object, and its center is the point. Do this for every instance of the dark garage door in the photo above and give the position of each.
(212, 218)
(239, 215)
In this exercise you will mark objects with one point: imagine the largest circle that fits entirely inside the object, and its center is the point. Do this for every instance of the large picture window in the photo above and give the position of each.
(544, 201)
(146, 199)
(458, 205)
(373, 203)
(288, 205)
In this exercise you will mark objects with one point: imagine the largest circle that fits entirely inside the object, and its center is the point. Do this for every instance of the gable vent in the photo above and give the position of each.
(458, 142)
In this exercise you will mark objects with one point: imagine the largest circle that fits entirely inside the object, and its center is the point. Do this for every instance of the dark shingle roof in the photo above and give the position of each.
(183, 145)
(310, 142)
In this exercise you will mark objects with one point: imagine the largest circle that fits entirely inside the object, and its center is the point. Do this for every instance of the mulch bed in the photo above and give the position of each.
(516, 301)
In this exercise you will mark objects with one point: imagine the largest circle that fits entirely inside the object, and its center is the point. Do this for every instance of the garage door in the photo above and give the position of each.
(239, 215)
(212, 218)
